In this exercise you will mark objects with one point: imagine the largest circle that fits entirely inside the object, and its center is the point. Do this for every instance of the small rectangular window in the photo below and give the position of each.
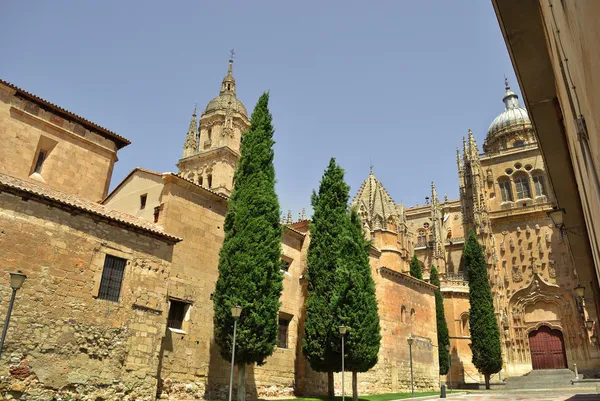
(143, 199)
(282, 338)
(112, 278)
(177, 312)
(285, 265)
(40, 162)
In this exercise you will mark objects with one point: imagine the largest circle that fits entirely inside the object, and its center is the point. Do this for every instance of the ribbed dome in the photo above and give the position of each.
(513, 116)
(224, 101)
(227, 98)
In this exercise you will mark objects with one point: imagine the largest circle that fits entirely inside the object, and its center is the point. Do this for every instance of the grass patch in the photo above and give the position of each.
(375, 397)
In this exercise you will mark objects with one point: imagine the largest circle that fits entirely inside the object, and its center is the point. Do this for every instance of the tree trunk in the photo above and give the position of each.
(487, 382)
(354, 386)
(330, 390)
(241, 388)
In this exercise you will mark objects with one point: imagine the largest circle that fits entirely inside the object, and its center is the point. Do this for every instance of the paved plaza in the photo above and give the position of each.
(541, 396)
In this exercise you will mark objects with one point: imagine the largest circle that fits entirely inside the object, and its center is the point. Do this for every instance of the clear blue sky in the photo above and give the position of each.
(397, 83)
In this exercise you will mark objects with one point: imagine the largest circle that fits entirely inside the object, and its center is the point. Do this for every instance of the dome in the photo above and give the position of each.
(227, 98)
(513, 116)
(224, 101)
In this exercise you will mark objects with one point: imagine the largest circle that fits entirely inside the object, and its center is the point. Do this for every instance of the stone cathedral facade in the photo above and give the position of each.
(118, 299)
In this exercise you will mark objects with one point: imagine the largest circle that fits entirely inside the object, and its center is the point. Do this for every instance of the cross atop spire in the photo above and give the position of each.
(506, 82)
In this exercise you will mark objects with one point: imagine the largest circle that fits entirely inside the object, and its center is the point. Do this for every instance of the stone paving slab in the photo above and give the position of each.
(543, 396)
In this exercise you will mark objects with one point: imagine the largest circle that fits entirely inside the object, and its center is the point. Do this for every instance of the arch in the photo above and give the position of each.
(547, 348)
(200, 180)
(413, 315)
(465, 328)
(403, 314)
(505, 189)
(209, 179)
(523, 189)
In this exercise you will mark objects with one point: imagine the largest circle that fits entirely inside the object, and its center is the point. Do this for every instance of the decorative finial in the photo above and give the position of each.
(506, 82)
(231, 55)
(445, 197)
(371, 166)
(195, 107)
(303, 214)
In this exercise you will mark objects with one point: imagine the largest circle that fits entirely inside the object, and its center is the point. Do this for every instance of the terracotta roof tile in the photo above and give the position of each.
(9, 182)
(118, 139)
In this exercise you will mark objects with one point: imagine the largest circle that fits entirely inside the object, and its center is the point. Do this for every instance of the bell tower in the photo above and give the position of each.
(212, 150)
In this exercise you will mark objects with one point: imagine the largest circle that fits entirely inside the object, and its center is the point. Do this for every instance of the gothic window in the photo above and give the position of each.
(522, 186)
(505, 190)
(403, 314)
(538, 183)
(112, 278)
(209, 180)
(421, 238)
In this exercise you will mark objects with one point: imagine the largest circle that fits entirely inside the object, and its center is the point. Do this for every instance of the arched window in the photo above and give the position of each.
(505, 190)
(403, 314)
(538, 184)
(209, 180)
(200, 180)
(522, 186)
(413, 316)
(421, 238)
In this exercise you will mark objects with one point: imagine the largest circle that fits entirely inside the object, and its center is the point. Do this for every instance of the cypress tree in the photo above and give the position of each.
(415, 268)
(358, 303)
(485, 334)
(249, 261)
(442, 326)
(321, 344)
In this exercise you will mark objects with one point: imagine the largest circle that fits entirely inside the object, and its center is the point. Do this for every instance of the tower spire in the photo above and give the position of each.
(190, 146)
(228, 85)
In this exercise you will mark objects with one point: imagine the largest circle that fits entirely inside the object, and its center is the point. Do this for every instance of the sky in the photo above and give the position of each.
(393, 84)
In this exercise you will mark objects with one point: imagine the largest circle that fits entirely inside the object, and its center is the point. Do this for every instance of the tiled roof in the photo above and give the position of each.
(118, 139)
(11, 183)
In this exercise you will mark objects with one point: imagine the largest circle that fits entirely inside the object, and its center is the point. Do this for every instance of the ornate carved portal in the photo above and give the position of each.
(547, 348)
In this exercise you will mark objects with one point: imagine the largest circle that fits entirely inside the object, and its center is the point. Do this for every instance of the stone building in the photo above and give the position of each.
(505, 198)
(192, 204)
(90, 317)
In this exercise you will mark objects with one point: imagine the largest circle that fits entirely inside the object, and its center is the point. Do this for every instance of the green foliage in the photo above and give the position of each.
(329, 224)
(442, 326)
(357, 300)
(250, 258)
(415, 268)
(485, 334)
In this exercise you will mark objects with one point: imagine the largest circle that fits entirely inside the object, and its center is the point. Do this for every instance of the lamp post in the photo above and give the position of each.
(449, 365)
(410, 340)
(16, 281)
(342, 330)
(236, 311)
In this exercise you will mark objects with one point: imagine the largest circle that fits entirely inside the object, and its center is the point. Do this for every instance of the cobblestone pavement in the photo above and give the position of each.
(542, 396)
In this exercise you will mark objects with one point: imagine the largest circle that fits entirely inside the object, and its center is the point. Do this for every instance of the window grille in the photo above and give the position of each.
(112, 278)
(538, 183)
(522, 185)
(282, 339)
(505, 191)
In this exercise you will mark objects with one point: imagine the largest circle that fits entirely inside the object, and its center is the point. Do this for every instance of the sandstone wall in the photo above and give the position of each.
(63, 340)
(78, 161)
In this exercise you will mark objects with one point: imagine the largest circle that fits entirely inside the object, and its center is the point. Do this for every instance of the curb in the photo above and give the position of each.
(434, 397)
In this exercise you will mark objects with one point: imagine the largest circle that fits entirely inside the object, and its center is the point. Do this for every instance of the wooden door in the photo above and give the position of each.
(547, 349)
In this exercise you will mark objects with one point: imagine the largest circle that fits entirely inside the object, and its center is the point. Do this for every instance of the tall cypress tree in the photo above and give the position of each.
(415, 268)
(485, 334)
(358, 303)
(329, 224)
(442, 326)
(249, 261)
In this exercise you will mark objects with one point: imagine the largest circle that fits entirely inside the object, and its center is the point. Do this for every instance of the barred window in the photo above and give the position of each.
(282, 338)
(505, 190)
(522, 185)
(112, 278)
(538, 183)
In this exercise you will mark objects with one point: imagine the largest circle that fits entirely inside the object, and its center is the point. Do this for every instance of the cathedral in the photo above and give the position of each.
(118, 297)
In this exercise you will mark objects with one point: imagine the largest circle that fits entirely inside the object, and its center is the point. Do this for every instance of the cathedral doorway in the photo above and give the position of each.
(547, 348)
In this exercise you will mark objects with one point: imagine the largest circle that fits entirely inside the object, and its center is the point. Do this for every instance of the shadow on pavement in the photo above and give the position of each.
(584, 397)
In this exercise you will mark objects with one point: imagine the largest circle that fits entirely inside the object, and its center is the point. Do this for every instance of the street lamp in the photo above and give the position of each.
(342, 330)
(16, 281)
(410, 340)
(449, 365)
(580, 291)
(236, 311)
